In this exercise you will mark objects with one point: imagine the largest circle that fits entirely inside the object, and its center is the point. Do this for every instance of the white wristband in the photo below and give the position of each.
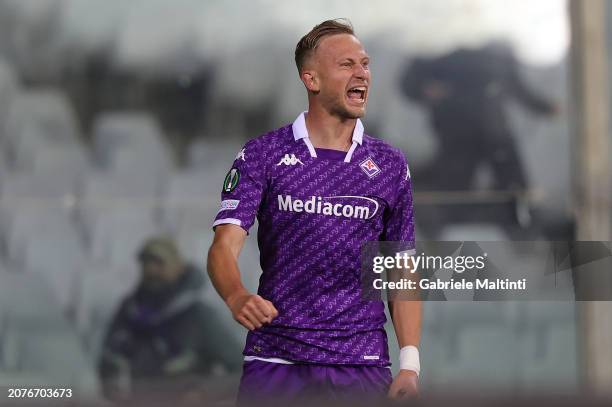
(409, 359)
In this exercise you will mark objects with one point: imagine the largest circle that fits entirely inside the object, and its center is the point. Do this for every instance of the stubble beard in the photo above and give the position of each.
(338, 109)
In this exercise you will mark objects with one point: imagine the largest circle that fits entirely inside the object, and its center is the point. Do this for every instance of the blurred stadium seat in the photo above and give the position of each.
(27, 298)
(112, 129)
(34, 155)
(21, 150)
(102, 192)
(38, 346)
(130, 142)
(117, 236)
(525, 343)
(62, 160)
(539, 313)
(37, 191)
(48, 109)
(49, 355)
(134, 159)
(455, 314)
(191, 197)
(214, 157)
(476, 351)
(545, 365)
(19, 224)
(59, 258)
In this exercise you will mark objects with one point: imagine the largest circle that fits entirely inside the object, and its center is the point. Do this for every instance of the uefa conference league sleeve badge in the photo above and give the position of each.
(231, 180)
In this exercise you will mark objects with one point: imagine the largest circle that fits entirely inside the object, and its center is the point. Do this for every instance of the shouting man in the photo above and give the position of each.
(320, 188)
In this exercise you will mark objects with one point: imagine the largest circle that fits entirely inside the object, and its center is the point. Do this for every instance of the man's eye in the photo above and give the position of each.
(346, 64)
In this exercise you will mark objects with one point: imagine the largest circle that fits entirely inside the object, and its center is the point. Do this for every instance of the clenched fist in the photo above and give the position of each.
(404, 386)
(251, 311)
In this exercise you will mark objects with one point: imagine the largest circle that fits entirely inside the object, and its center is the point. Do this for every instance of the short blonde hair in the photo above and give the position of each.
(309, 42)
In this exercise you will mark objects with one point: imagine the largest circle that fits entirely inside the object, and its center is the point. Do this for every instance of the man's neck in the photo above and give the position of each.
(327, 131)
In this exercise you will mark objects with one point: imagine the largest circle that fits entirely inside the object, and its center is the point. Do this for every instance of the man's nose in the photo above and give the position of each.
(361, 72)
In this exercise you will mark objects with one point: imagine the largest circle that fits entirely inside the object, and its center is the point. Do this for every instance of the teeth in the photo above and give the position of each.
(360, 91)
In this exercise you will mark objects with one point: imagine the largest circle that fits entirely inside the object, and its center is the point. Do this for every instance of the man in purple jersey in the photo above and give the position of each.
(320, 188)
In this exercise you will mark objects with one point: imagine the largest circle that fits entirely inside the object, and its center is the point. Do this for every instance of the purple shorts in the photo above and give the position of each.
(265, 381)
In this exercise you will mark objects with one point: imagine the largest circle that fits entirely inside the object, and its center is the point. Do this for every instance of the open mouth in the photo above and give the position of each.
(357, 94)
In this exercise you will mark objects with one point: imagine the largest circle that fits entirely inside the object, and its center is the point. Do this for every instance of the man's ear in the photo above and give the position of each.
(311, 80)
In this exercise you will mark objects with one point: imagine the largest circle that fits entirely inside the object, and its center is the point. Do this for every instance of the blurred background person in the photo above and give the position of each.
(465, 93)
(163, 334)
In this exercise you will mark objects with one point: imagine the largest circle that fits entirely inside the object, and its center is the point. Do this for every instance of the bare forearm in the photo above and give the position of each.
(250, 310)
(406, 316)
(223, 271)
(405, 308)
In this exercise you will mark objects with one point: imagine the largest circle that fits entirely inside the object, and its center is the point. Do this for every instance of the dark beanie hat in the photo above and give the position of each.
(163, 248)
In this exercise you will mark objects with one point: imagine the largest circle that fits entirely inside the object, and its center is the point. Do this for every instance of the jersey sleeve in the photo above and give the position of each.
(242, 189)
(399, 224)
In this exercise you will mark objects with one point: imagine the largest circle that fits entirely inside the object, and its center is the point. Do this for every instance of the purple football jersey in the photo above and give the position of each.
(315, 208)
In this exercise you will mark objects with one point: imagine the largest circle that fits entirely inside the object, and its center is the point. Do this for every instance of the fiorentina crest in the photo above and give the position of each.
(369, 167)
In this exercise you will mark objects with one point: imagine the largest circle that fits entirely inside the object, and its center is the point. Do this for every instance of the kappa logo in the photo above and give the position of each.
(369, 167)
(240, 155)
(290, 159)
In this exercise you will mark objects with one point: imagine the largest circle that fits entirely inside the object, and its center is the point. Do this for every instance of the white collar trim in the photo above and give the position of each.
(300, 131)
